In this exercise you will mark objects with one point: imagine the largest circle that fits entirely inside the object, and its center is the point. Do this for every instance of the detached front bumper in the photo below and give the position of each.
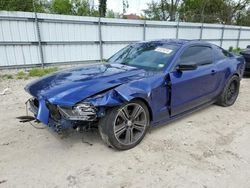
(58, 117)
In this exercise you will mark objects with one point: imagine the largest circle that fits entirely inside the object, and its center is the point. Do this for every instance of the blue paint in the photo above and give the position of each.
(43, 112)
(168, 93)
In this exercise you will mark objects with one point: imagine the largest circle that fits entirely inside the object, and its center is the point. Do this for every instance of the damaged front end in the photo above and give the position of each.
(60, 118)
(80, 112)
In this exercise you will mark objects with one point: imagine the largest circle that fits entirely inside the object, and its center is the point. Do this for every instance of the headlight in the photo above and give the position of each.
(82, 111)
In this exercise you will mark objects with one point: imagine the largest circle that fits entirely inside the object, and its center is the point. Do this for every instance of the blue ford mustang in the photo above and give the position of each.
(145, 84)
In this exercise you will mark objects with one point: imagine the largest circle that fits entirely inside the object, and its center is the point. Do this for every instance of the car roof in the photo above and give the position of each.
(180, 42)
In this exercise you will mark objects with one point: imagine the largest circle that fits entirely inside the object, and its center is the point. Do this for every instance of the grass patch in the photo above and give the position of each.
(7, 76)
(22, 75)
(234, 50)
(34, 72)
(42, 71)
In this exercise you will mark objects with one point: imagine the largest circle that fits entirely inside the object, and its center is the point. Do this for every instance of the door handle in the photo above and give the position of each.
(213, 72)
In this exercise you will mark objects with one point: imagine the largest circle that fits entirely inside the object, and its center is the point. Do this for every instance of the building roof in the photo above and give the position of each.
(132, 16)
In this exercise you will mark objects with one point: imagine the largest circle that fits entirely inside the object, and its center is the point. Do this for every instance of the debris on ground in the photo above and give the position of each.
(5, 91)
(3, 181)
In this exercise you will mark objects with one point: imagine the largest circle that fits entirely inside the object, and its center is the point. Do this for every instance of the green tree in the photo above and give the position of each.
(212, 11)
(239, 11)
(153, 11)
(162, 10)
(244, 18)
(83, 8)
(80, 7)
(112, 14)
(22, 5)
(102, 7)
(61, 7)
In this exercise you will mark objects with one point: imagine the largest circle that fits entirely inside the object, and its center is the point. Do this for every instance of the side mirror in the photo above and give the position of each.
(186, 67)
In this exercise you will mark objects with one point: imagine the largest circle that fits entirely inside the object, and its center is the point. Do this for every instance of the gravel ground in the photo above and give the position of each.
(209, 148)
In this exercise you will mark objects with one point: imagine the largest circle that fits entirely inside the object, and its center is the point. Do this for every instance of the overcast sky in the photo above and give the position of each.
(135, 6)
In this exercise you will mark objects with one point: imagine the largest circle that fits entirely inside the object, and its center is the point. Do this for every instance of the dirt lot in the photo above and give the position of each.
(206, 149)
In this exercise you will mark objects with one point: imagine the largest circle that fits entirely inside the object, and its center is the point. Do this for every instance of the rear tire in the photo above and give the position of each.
(230, 92)
(125, 126)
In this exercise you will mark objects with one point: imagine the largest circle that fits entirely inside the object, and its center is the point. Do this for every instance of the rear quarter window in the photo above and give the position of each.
(221, 53)
(199, 55)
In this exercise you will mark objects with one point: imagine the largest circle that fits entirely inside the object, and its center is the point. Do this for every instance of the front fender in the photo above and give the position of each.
(119, 96)
(151, 90)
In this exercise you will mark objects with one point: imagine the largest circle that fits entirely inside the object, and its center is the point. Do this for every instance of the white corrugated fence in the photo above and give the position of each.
(50, 39)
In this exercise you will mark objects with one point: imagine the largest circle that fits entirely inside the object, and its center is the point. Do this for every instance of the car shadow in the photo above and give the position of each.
(71, 137)
(186, 116)
(246, 76)
(92, 137)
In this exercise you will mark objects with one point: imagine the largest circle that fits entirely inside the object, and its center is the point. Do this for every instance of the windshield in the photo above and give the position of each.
(149, 56)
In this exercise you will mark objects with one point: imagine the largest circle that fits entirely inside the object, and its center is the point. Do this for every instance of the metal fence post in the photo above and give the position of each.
(144, 30)
(222, 35)
(177, 29)
(38, 36)
(238, 39)
(100, 38)
(201, 31)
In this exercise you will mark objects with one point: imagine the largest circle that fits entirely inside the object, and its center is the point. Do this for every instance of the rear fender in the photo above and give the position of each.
(241, 65)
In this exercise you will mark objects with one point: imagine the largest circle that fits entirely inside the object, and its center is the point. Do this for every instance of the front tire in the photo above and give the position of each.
(125, 126)
(230, 92)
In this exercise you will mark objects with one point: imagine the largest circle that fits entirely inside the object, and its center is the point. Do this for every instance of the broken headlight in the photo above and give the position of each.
(81, 111)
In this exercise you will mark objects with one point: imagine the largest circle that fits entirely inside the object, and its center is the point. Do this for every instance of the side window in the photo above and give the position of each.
(199, 55)
(222, 54)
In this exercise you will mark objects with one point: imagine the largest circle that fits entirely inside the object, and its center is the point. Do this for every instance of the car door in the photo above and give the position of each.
(192, 88)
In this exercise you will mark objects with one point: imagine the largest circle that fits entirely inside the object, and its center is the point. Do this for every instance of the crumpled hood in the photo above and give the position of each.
(68, 87)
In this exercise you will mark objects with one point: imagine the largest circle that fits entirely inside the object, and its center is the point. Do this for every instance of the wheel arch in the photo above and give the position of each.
(236, 74)
(147, 104)
(229, 77)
